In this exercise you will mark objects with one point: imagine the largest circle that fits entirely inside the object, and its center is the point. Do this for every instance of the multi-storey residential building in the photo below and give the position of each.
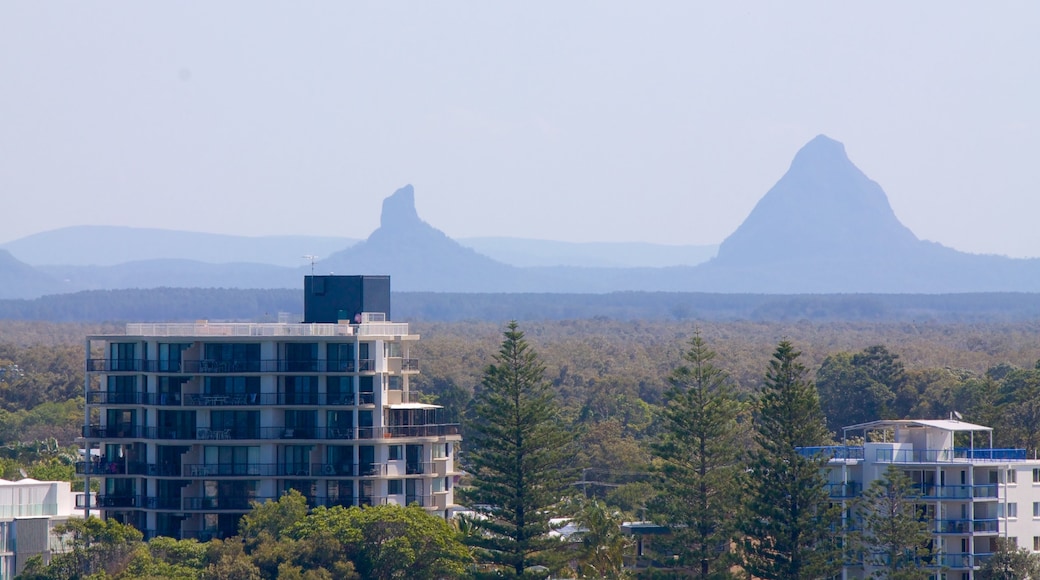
(194, 421)
(971, 492)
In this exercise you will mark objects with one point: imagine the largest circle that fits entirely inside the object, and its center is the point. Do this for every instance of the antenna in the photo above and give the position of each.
(311, 258)
(958, 415)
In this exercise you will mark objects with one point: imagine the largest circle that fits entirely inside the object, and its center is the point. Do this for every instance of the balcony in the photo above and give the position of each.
(229, 469)
(844, 490)
(944, 491)
(832, 452)
(217, 367)
(236, 503)
(959, 455)
(263, 433)
(953, 526)
(109, 398)
(402, 365)
(422, 430)
(957, 561)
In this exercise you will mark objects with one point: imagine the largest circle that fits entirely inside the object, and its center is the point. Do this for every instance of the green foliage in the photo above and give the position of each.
(94, 546)
(895, 539)
(272, 517)
(603, 545)
(387, 541)
(862, 387)
(519, 458)
(788, 522)
(701, 453)
(1009, 562)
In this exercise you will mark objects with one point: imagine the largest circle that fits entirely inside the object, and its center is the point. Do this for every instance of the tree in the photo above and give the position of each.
(519, 457)
(895, 539)
(789, 524)
(271, 518)
(385, 542)
(93, 546)
(1009, 562)
(861, 387)
(603, 545)
(701, 451)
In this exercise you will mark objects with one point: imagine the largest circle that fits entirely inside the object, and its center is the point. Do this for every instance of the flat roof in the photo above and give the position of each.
(943, 424)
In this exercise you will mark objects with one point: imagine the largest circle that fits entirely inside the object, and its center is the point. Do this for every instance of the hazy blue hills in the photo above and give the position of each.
(111, 245)
(20, 280)
(825, 227)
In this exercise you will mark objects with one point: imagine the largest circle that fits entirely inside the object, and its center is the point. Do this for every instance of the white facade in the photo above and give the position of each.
(29, 510)
(972, 493)
(192, 422)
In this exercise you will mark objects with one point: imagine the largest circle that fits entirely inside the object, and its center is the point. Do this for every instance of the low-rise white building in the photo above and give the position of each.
(29, 510)
(972, 493)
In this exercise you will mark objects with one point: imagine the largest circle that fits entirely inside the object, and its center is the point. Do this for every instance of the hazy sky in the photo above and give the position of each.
(579, 121)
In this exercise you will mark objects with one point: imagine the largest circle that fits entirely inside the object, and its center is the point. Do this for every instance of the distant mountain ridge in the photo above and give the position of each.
(825, 227)
(112, 245)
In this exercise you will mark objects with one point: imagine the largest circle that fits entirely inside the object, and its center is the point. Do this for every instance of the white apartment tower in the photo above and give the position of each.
(188, 423)
(971, 492)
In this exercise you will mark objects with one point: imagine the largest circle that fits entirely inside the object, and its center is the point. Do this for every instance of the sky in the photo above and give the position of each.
(577, 121)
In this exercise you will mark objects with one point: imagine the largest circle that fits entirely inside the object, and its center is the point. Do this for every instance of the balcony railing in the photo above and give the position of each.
(948, 455)
(844, 490)
(237, 503)
(197, 329)
(832, 452)
(216, 366)
(113, 398)
(265, 433)
(953, 526)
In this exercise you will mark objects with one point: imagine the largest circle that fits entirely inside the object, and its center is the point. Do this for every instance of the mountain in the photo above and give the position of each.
(111, 245)
(20, 280)
(826, 227)
(823, 208)
(421, 257)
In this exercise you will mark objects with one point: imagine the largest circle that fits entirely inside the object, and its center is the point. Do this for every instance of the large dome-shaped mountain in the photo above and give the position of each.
(824, 207)
(826, 227)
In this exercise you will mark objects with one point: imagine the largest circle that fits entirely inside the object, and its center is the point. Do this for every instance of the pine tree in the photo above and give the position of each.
(895, 540)
(519, 457)
(700, 452)
(789, 524)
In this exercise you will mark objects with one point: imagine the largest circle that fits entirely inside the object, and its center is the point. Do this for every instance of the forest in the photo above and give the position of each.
(612, 382)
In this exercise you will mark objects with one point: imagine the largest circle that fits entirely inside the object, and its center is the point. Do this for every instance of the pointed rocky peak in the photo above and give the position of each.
(399, 210)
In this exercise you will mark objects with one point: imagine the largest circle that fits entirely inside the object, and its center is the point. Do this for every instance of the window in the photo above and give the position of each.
(396, 452)
(394, 487)
(1036, 475)
(1007, 511)
(1036, 543)
(1012, 476)
(1036, 509)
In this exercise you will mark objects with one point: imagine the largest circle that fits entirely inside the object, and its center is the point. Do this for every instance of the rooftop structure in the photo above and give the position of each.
(194, 421)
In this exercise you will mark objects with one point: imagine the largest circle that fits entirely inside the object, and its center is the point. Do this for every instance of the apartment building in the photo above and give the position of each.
(971, 492)
(191, 422)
